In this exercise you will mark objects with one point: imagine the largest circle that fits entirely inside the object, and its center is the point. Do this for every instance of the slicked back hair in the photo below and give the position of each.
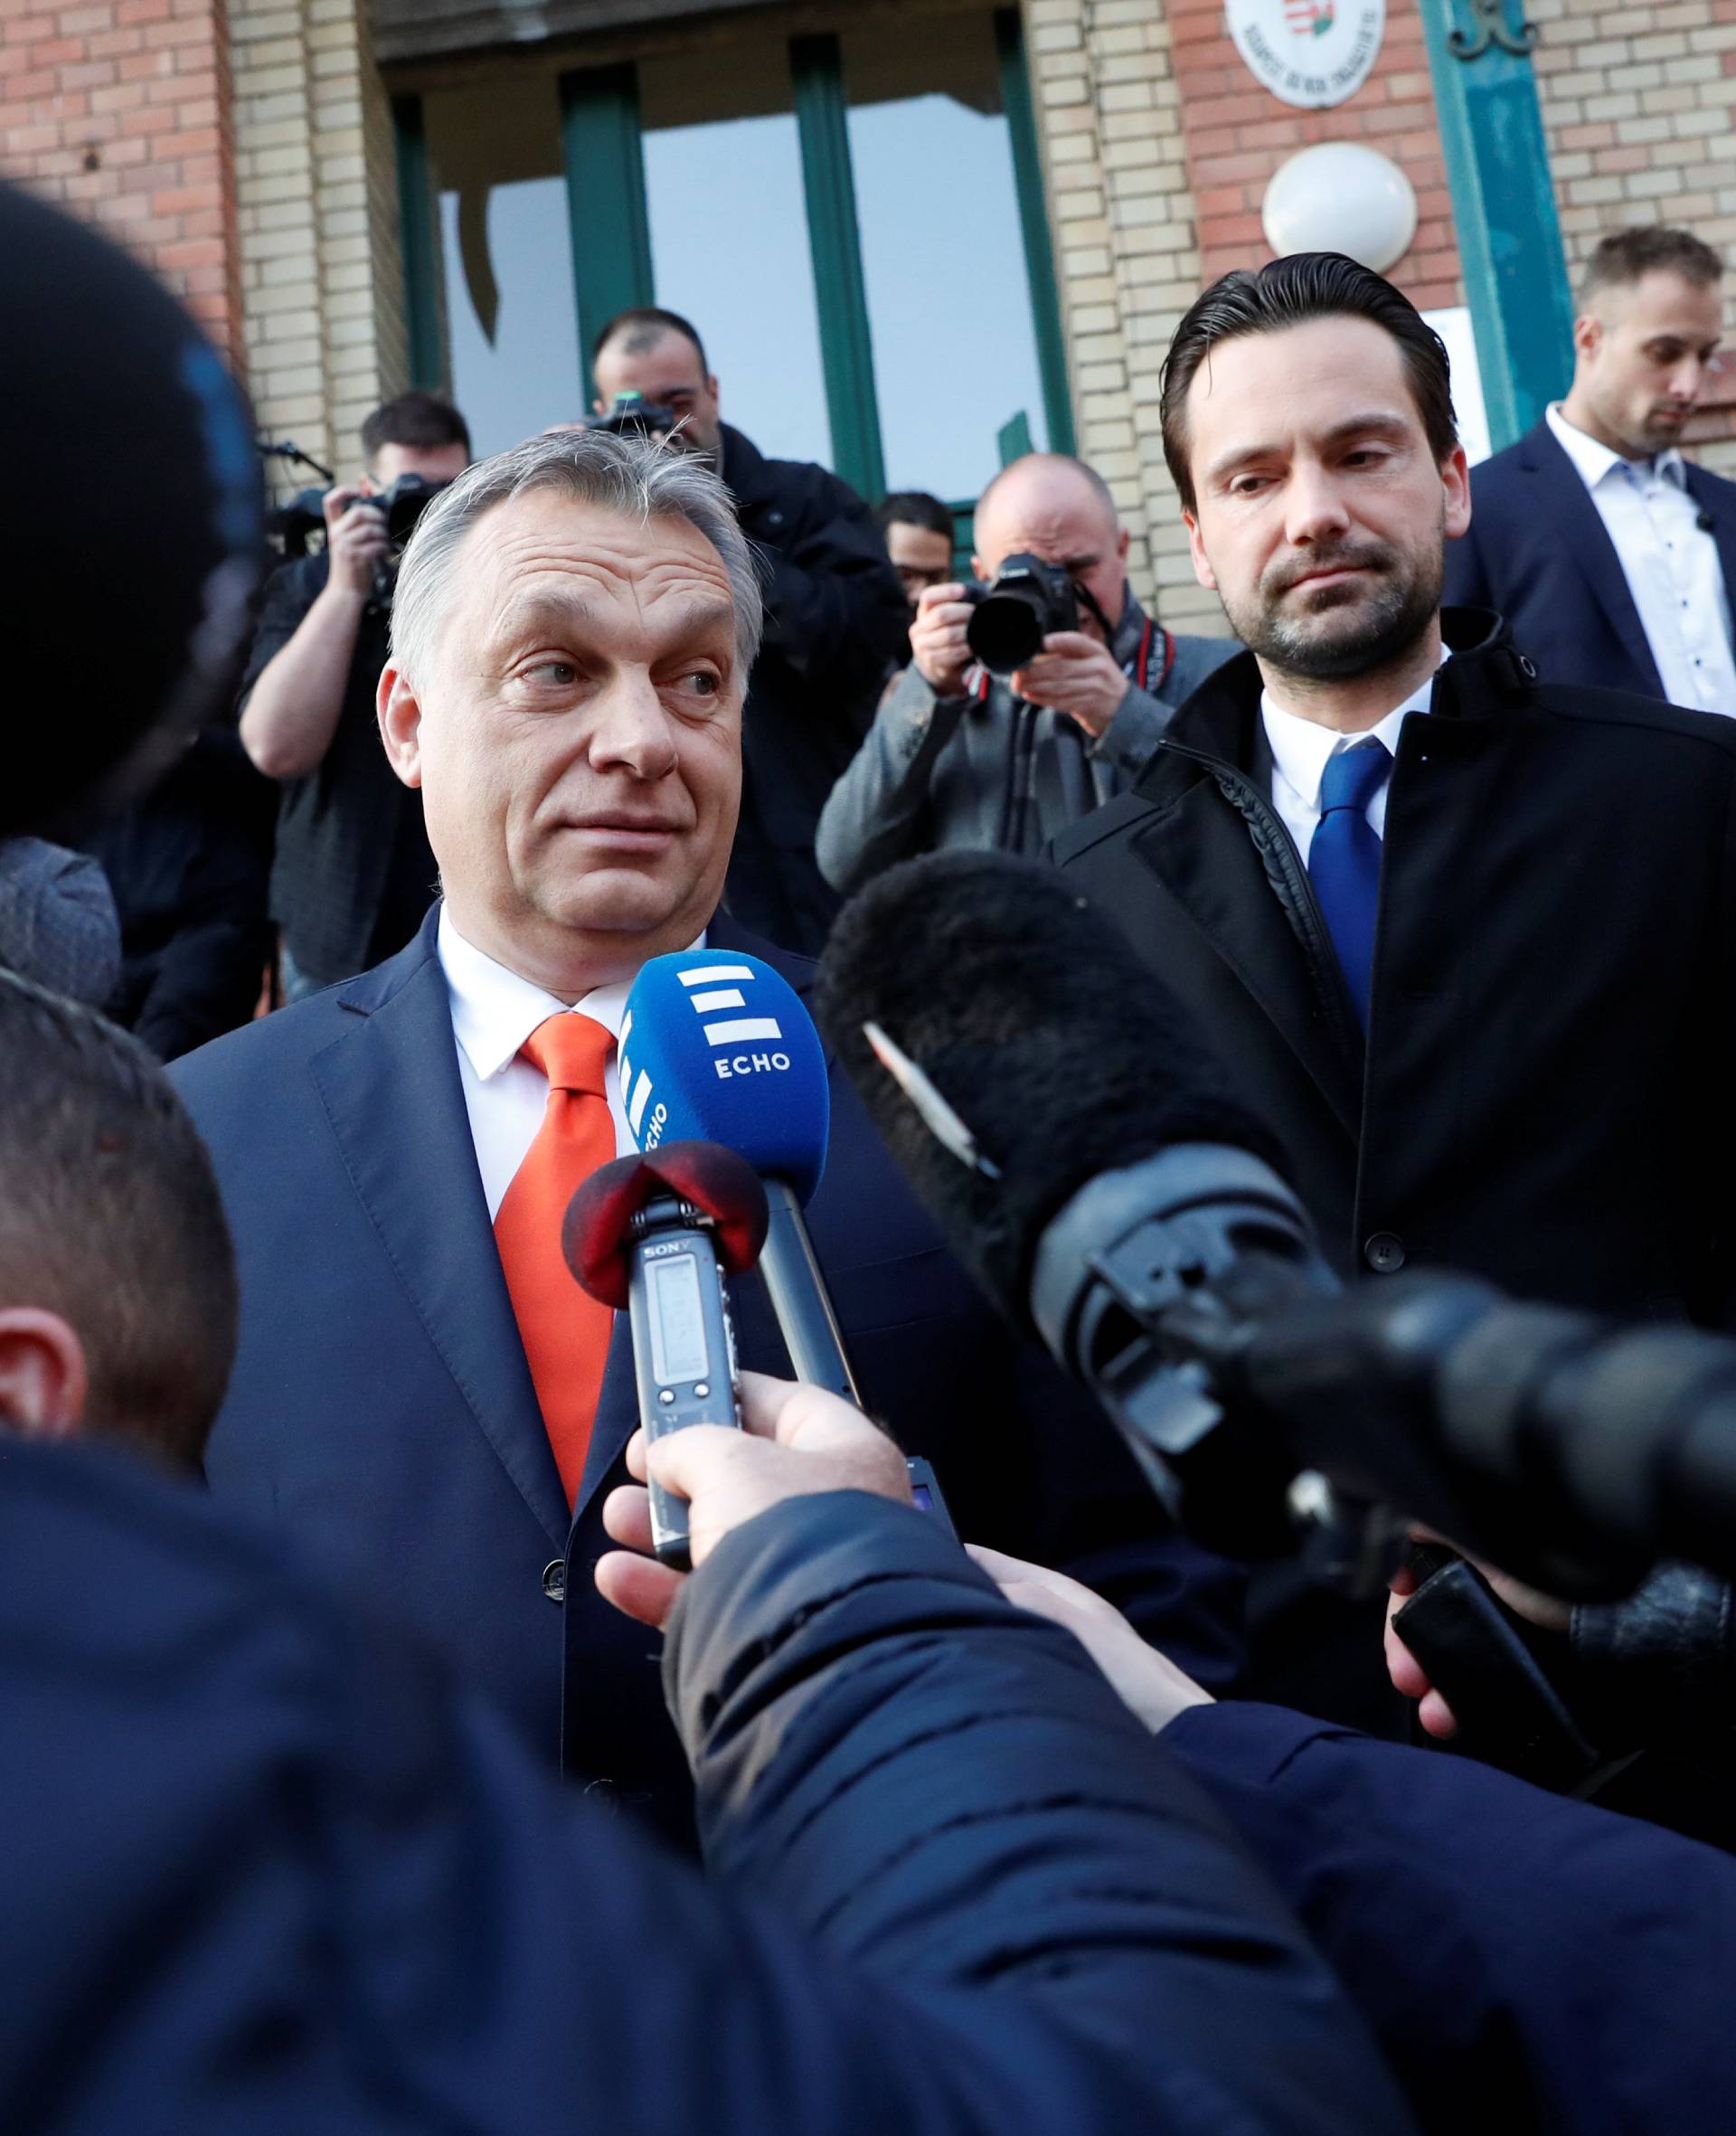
(1618, 261)
(1292, 292)
(110, 1218)
(643, 479)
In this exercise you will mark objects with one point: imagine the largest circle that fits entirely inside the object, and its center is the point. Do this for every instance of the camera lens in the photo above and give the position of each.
(1005, 630)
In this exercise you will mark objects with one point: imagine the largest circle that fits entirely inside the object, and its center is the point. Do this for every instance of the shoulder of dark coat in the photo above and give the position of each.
(1651, 715)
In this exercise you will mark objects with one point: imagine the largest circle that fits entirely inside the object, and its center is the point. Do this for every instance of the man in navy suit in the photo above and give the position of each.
(1610, 556)
(573, 624)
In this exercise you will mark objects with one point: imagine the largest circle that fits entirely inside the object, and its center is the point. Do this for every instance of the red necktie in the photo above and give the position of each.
(565, 1332)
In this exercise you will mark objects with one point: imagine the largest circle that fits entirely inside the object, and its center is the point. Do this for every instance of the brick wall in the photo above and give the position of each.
(1235, 133)
(120, 113)
(322, 288)
(1126, 258)
(1639, 109)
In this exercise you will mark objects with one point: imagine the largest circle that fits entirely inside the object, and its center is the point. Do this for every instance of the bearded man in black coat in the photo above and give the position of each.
(1462, 932)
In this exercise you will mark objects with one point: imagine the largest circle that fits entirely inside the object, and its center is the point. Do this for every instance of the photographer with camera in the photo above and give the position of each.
(835, 617)
(352, 874)
(1027, 702)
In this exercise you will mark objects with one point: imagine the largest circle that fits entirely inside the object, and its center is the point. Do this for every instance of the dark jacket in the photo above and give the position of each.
(985, 771)
(1539, 554)
(835, 617)
(1526, 1964)
(1544, 1094)
(382, 1407)
(188, 867)
(58, 923)
(264, 1872)
(353, 873)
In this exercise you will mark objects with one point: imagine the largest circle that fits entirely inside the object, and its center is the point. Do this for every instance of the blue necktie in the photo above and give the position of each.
(1344, 860)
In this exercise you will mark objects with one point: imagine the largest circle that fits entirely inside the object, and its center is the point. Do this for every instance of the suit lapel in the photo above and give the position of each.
(1200, 848)
(1566, 508)
(391, 1094)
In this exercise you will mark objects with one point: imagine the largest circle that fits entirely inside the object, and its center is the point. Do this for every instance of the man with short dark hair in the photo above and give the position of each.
(117, 1293)
(835, 617)
(957, 757)
(1613, 557)
(919, 534)
(353, 873)
(1463, 933)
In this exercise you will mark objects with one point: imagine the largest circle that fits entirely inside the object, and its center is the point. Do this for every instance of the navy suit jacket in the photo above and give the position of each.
(381, 1405)
(1539, 554)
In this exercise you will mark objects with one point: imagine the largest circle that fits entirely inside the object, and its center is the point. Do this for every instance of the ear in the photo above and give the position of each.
(1587, 334)
(597, 407)
(979, 570)
(1456, 481)
(43, 1378)
(399, 712)
(1122, 542)
(710, 386)
(1203, 571)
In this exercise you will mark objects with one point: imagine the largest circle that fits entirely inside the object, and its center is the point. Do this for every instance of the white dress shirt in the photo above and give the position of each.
(494, 1011)
(1301, 750)
(1669, 561)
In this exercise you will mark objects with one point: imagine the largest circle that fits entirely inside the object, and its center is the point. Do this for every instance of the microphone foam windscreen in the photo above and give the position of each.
(1039, 1024)
(134, 537)
(717, 1048)
(724, 1186)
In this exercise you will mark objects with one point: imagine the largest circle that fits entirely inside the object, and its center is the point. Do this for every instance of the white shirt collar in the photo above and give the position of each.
(495, 1011)
(1301, 748)
(1594, 460)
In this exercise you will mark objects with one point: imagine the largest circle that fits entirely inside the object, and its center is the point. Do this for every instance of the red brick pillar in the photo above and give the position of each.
(123, 113)
(1235, 133)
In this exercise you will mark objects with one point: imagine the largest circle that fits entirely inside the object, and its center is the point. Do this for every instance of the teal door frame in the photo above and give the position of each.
(612, 267)
(1503, 206)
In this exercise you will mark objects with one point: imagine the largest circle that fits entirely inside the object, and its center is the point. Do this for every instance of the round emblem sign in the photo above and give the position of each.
(1311, 53)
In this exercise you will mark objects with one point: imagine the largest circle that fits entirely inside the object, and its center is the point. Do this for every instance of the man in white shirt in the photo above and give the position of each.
(1610, 555)
(422, 1392)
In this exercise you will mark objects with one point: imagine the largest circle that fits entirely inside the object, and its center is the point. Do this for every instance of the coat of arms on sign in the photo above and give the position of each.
(1308, 53)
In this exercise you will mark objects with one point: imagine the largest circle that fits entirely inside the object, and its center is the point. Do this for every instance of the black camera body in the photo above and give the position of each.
(1028, 599)
(632, 416)
(402, 504)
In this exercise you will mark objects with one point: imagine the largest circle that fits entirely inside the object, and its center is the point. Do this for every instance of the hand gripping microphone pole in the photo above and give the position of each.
(658, 1234)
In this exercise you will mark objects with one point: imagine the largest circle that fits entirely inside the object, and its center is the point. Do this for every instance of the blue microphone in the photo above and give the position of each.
(716, 1047)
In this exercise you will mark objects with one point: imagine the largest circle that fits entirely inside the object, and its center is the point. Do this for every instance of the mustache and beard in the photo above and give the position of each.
(1357, 627)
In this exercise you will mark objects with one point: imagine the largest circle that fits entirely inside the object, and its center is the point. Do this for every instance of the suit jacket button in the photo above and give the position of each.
(1384, 1253)
(554, 1580)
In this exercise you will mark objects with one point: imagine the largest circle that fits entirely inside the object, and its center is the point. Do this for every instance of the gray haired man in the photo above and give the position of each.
(574, 625)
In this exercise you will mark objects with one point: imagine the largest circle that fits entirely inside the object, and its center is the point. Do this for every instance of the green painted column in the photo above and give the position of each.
(1033, 221)
(1503, 206)
(611, 240)
(829, 186)
(419, 246)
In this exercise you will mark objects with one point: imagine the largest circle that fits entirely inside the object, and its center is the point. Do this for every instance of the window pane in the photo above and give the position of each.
(728, 235)
(942, 255)
(511, 321)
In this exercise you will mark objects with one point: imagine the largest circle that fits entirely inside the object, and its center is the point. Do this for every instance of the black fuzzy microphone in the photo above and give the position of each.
(135, 533)
(1033, 1018)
